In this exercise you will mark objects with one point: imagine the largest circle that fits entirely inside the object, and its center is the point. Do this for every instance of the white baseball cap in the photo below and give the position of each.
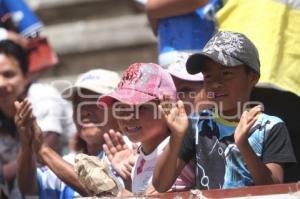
(100, 81)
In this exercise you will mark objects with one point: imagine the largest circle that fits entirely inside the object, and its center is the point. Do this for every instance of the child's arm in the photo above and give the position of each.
(168, 8)
(169, 165)
(62, 169)
(261, 173)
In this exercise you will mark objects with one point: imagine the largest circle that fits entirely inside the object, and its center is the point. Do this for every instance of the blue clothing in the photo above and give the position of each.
(219, 161)
(189, 32)
(26, 21)
(51, 187)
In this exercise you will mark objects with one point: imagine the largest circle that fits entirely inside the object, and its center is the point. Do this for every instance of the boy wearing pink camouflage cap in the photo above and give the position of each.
(135, 103)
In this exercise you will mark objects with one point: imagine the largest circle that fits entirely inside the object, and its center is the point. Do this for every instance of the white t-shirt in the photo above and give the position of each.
(53, 113)
(142, 171)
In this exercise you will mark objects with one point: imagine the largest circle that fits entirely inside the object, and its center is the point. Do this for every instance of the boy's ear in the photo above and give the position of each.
(254, 77)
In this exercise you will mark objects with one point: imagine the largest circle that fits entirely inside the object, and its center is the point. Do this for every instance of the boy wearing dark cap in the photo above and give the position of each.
(234, 146)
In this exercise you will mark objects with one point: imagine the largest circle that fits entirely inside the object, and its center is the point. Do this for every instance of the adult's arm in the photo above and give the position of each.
(53, 140)
(168, 8)
(13, 36)
(62, 169)
(26, 171)
(26, 167)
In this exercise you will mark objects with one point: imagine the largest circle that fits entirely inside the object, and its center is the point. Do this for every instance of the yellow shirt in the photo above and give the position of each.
(274, 27)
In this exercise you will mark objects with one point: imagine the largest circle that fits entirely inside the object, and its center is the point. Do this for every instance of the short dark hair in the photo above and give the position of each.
(249, 70)
(10, 48)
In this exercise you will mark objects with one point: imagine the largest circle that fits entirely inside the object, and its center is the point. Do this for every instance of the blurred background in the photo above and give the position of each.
(90, 34)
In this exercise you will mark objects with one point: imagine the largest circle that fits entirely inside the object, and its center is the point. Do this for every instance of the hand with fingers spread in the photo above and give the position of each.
(123, 163)
(120, 155)
(114, 143)
(247, 120)
(23, 120)
(175, 116)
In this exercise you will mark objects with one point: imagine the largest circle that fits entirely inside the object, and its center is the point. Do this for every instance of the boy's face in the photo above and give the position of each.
(140, 123)
(189, 92)
(227, 86)
(91, 122)
(12, 80)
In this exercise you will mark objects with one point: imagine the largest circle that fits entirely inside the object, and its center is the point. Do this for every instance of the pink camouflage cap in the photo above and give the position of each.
(178, 69)
(141, 83)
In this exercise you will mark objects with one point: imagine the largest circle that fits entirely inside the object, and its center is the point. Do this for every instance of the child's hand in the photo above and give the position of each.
(119, 154)
(247, 120)
(123, 163)
(175, 116)
(23, 120)
(114, 143)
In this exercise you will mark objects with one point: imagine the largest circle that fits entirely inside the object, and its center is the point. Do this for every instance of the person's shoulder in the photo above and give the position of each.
(39, 90)
(266, 125)
(47, 95)
(268, 121)
(155, 153)
(70, 157)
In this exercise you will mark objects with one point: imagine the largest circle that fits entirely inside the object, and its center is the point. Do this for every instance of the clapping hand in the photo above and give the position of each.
(121, 156)
(24, 120)
(247, 120)
(175, 116)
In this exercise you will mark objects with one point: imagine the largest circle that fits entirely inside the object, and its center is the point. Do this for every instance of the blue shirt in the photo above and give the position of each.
(26, 21)
(51, 187)
(189, 32)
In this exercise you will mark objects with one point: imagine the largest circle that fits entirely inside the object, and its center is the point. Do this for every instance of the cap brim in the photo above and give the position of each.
(188, 77)
(126, 96)
(194, 64)
(69, 93)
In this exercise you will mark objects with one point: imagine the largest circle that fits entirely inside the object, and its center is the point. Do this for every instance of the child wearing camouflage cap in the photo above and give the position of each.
(231, 149)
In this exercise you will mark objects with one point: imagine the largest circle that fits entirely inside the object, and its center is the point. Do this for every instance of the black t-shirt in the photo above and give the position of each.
(219, 162)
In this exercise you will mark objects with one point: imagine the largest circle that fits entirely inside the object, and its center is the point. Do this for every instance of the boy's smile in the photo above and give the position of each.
(228, 87)
(91, 121)
(216, 95)
(132, 129)
(141, 123)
